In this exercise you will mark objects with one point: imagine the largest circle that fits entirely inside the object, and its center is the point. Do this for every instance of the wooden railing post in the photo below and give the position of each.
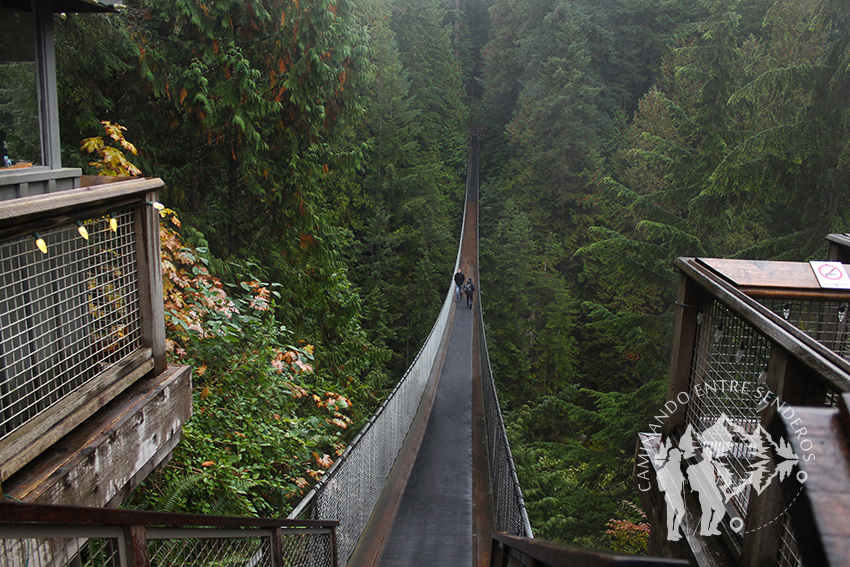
(150, 280)
(334, 550)
(760, 546)
(137, 546)
(276, 547)
(793, 384)
(498, 555)
(684, 332)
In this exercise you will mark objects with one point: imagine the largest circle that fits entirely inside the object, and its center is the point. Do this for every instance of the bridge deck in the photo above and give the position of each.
(436, 508)
(433, 525)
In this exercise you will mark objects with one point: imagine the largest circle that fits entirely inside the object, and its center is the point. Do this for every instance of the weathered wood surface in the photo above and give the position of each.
(759, 273)
(149, 258)
(547, 554)
(833, 369)
(29, 209)
(839, 248)
(687, 300)
(103, 459)
(45, 429)
(821, 513)
(92, 180)
(777, 280)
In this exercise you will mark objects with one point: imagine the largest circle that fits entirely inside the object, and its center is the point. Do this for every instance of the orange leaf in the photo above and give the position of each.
(207, 463)
(183, 94)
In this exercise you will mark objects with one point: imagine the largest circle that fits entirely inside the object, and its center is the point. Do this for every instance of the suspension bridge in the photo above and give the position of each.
(429, 480)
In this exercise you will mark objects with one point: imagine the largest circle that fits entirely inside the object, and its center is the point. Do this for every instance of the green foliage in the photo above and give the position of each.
(732, 143)
(265, 426)
(111, 160)
(19, 111)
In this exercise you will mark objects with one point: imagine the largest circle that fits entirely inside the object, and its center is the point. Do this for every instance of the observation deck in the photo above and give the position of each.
(757, 399)
(428, 481)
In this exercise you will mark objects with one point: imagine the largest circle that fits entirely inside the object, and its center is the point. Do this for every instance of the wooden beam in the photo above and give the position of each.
(545, 553)
(22, 513)
(820, 509)
(39, 433)
(684, 332)
(833, 369)
(29, 209)
(149, 259)
(137, 546)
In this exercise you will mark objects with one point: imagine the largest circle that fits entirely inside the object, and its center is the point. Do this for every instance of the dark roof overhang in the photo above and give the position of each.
(72, 6)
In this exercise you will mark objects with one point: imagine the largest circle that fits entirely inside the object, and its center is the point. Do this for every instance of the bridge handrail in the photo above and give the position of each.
(35, 535)
(751, 340)
(372, 453)
(508, 550)
(509, 504)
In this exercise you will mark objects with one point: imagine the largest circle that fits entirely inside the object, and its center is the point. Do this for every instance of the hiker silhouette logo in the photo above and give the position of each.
(720, 465)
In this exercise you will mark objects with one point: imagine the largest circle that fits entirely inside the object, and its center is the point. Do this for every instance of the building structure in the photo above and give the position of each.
(88, 404)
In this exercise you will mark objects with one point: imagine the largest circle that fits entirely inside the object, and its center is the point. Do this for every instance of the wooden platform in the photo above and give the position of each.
(100, 462)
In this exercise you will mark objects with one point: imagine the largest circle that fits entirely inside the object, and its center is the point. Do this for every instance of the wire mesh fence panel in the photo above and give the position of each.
(789, 551)
(351, 488)
(727, 383)
(508, 503)
(197, 548)
(824, 321)
(92, 545)
(307, 549)
(66, 315)
(71, 550)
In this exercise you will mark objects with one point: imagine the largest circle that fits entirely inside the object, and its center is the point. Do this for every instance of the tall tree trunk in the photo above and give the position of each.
(233, 197)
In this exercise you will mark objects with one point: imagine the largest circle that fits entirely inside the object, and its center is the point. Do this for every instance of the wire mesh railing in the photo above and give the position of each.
(823, 320)
(113, 538)
(729, 367)
(739, 356)
(350, 489)
(511, 516)
(65, 315)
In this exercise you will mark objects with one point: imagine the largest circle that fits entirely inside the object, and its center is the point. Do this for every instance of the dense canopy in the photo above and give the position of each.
(313, 152)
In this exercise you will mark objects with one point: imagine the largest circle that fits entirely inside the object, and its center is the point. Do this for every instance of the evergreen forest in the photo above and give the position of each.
(314, 159)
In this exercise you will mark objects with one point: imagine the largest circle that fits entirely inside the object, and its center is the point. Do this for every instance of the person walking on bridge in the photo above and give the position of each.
(459, 277)
(468, 288)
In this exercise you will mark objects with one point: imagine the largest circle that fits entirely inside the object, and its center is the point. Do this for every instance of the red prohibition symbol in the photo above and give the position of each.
(830, 272)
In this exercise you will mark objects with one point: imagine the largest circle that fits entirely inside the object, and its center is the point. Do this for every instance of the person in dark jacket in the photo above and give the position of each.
(468, 288)
(459, 277)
